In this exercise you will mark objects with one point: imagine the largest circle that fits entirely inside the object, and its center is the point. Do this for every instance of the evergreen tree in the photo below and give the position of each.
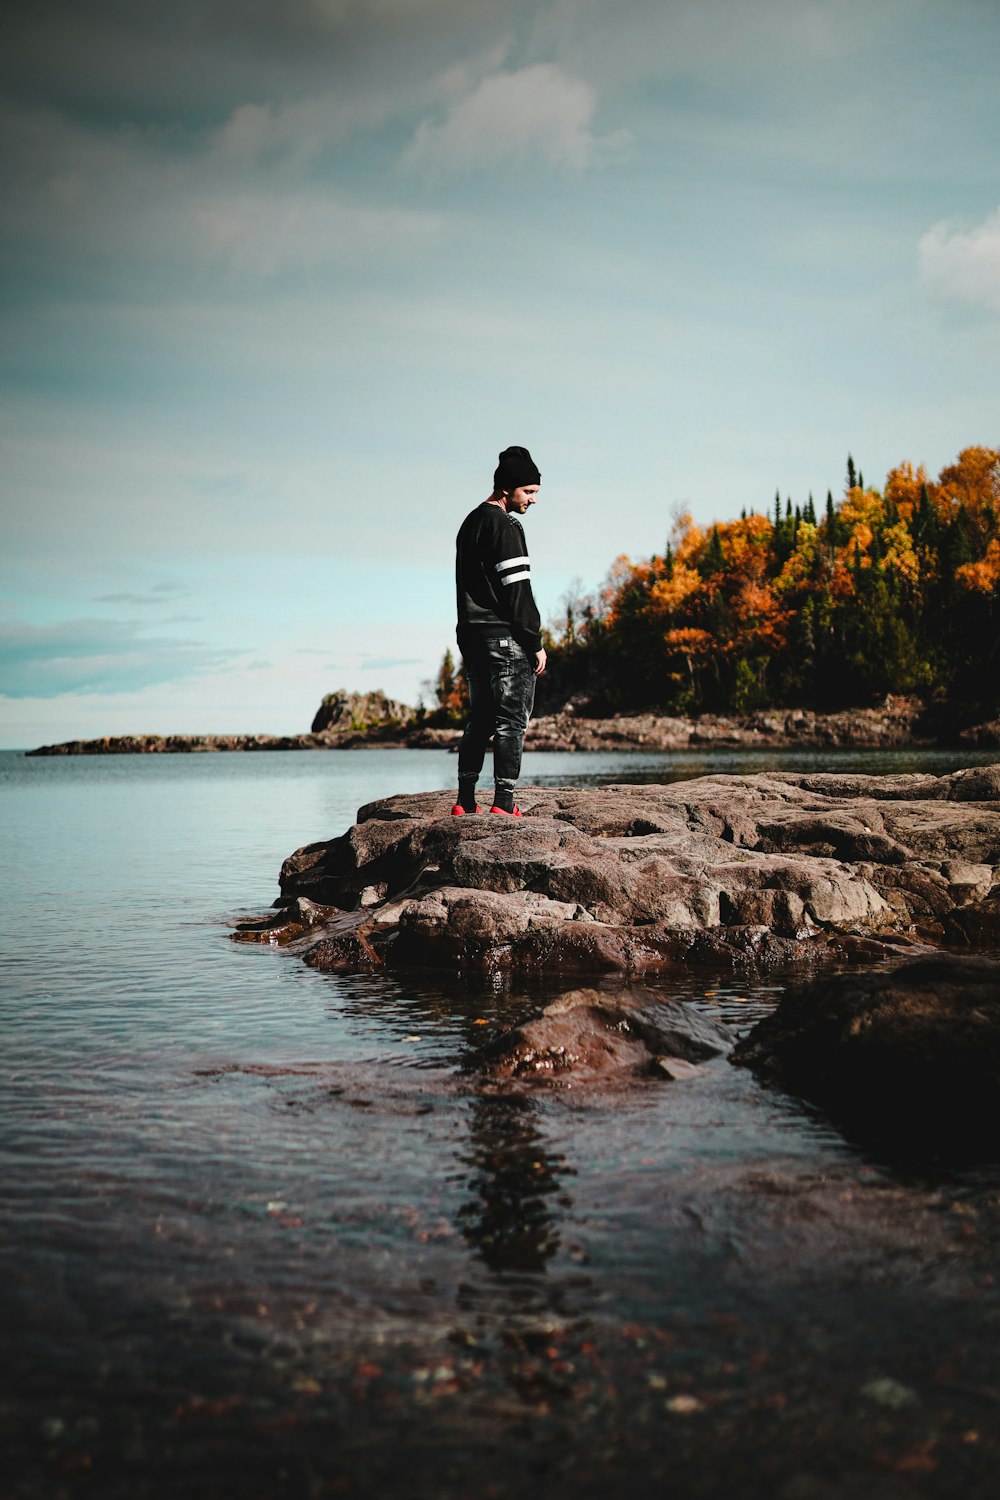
(852, 477)
(714, 559)
(444, 683)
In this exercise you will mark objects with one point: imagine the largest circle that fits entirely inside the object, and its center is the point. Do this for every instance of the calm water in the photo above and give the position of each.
(261, 1235)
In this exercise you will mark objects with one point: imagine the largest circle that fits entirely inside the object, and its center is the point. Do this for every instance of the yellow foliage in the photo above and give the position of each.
(689, 640)
(688, 539)
(982, 577)
(900, 552)
(668, 594)
(746, 544)
(862, 508)
(858, 543)
(798, 567)
(973, 480)
(903, 486)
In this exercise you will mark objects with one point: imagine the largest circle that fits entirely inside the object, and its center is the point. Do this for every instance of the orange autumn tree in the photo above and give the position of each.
(895, 590)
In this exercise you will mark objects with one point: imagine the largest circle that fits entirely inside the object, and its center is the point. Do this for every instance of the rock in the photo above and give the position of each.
(354, 720)
(908, 1057)
(898, 721)
(749, 870)
(181, 744)
(360, 713)
(586, 1035)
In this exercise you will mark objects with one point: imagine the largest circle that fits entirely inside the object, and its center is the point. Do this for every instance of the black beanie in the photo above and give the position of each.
(516, 468)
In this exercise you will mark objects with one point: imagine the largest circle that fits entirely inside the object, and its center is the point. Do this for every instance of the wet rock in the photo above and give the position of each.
(908, 1056)
(586, 1036)
(750, 870)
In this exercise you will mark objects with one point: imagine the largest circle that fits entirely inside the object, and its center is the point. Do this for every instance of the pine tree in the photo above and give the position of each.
(444, 684)
(852, 477)
(713, 559)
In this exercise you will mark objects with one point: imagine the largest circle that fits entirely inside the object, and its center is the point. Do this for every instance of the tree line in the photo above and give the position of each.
(880, 591)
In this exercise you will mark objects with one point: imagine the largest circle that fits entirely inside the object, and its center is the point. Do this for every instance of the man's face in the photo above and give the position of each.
(521, 498)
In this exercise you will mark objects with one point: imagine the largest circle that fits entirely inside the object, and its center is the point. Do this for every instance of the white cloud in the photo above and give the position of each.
(964, 264)
(537, 112)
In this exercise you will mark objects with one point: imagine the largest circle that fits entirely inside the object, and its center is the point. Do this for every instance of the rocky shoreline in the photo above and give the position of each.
(355, 721)
(870, 886)
(748, 870)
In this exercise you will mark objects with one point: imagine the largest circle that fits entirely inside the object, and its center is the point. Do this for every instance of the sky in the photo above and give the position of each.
(279, 280)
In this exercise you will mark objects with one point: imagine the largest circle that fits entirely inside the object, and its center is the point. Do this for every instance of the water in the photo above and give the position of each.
(263, 1235)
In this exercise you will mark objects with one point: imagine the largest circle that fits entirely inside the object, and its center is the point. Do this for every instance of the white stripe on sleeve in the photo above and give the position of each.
(513, 562)
(514, 577)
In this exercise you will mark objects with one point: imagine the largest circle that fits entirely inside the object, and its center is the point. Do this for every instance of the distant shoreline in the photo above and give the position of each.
(896, 724)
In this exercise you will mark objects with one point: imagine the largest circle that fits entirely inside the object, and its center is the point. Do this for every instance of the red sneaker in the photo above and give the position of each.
(458, 811)
(505, 814)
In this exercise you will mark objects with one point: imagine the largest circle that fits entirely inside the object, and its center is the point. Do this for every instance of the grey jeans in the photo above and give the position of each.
(501, 678)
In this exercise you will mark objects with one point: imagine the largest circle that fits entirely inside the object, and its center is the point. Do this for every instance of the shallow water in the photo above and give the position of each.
(262, 1234)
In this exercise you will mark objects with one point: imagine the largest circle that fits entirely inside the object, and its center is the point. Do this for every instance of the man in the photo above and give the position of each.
(499, 632)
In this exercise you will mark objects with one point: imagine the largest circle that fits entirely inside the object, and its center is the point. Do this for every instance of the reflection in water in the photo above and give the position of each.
(511, 1220)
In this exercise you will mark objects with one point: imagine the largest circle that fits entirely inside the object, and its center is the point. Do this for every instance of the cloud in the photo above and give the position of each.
(159, 593)
(261, 234)
(112, 195)
(963, 265)
(538, 112)
(142, 57)
(298, 131)
(95, 656)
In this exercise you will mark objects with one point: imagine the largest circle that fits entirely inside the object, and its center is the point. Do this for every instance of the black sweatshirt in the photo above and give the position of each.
(493, 577)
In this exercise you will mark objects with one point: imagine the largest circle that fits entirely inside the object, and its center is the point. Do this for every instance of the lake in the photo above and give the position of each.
(262, 1235)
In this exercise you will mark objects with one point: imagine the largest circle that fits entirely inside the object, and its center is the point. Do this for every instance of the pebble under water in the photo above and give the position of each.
(265, 1235)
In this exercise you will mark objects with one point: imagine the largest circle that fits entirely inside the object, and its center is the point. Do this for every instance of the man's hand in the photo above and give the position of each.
(539, 662)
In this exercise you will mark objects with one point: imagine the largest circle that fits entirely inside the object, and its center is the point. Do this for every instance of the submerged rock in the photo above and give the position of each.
(587, 1036)
(908, 1056)
(748, 869)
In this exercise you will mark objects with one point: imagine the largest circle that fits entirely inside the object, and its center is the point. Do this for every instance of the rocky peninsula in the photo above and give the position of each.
(357, 721)
(882, 892)
(753, 870)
